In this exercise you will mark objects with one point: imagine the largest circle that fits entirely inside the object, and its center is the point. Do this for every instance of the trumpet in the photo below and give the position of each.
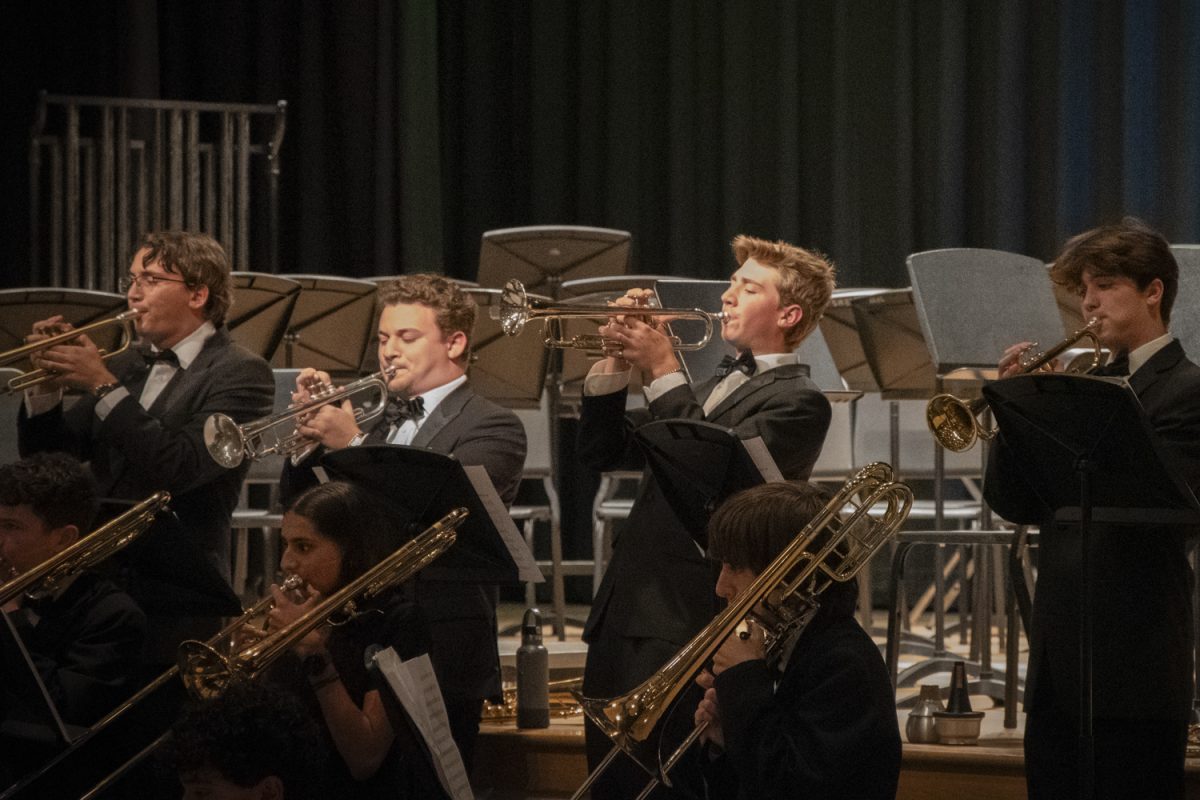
(35, 377)
(87, 552)
(230, 444)
(207, 673)
(954, 422)
(515, 309)
(832, 547)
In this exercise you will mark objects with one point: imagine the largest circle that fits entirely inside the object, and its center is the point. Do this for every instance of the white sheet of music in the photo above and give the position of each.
(527, 568)
(417, 689)
(762, 459)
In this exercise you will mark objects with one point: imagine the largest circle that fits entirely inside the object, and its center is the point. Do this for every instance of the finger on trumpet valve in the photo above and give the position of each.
(745, 629)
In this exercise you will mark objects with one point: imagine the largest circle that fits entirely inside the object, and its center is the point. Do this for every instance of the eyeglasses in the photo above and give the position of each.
(146, 280)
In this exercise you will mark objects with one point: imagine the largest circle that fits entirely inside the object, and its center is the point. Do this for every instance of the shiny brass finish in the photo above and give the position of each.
(954, 422)
(207, 673)
(834, 546)
(230, 444)
(515, 309)
(87, 552)
(36, 377)
(562, 703)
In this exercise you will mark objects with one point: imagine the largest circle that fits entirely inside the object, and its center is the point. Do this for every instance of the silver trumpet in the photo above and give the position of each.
(516, 309)
(230, 444)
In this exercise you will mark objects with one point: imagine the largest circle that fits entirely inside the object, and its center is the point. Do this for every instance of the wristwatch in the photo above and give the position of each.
(103, 389)
(357, 439)
(316, 664)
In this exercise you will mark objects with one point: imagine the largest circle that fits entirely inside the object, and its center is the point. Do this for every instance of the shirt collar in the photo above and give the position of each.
(435, 396)
(1139, 356)
(190, 346)
(772, 360)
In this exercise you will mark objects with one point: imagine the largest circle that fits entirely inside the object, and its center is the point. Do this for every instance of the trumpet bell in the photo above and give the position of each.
(951, 422)
(206, 673)
(224, 440)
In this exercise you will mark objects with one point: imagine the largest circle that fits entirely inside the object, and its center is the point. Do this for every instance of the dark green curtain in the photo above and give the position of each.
(866, 129)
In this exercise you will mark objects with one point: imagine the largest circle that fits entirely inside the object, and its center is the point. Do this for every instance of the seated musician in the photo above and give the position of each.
(332, 534)
(816, 717)
(251, 743)
(84, 635)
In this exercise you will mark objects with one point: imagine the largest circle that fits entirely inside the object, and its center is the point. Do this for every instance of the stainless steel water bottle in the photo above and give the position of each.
(533, 674)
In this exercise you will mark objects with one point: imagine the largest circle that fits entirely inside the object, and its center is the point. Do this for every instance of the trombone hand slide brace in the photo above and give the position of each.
(88, 551)
(834, 546)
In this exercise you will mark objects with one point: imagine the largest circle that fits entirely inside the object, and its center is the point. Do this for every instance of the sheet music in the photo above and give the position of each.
(527, 568)
(417, 689)
(762, 459)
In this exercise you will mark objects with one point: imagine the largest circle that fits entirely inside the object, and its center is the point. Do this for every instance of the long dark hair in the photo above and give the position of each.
(358, 521)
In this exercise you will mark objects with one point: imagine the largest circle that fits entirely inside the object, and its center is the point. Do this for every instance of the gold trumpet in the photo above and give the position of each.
(207, 673)
(230, 444)
(562, 704)
(954, 422)
(35, 377)
(834, 546)
(516, 309)
(88, 551)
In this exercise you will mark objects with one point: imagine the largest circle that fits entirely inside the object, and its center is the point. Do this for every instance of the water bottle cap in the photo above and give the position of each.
(531, 627)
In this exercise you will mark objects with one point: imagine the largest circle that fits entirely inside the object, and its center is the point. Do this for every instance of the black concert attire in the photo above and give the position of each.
(1142, 645)
(658, 590)
(406, 771)
(822, 727)
(461, 616)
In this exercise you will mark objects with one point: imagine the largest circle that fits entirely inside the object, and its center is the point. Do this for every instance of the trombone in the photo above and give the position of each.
(954, 422)
(230, 444)
(35, 377)
(87, 552)
(860, 518)
(207, 673)
(516, 309)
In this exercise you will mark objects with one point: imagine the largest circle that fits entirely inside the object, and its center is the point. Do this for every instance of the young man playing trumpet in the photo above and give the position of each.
(658, 589)
(425, 324)
(1126, 278)
(140, 421)
(818, 719)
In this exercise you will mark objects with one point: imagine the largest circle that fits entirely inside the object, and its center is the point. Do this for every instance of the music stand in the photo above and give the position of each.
(839, 327)
(543, 256)
(20, 308)
(422, 486)
(330, 326)
(698, 465)
(1082, 440)
(36, 718)
(262, 308)
(509, 370)
(1185, 314)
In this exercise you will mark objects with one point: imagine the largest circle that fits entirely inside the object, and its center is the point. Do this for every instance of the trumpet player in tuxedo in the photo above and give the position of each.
(1126, 279)
(424, 338)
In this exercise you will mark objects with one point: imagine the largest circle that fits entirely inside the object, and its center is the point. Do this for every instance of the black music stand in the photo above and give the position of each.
(509, 370)
(330, 327)
(698, 465)
(422, 486)
(839, 326)
(262, 309)
(30, 715)
(20, 308)
(1082, 440)
(543, 256)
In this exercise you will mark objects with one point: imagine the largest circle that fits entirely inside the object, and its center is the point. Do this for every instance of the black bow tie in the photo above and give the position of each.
(743, 363)
(399, 409)
(1117, 368)
(153, 357)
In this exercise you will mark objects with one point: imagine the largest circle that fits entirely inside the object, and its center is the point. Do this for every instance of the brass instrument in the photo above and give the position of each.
(954, 422)
(562, 704)
(516, 309)
(35, 377)
(88, 551)
(860, 518)
(207, 673)
(230, 444)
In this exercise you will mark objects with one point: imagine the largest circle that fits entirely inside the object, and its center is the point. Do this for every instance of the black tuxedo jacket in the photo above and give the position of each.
(134, 452)
(825, 729)
(1142, 656)
(659, 584)
(85, 645)
(461, 616)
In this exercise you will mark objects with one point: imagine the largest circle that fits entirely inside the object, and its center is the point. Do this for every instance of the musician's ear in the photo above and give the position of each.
(63, 536)
(456, 345)
(199, 297)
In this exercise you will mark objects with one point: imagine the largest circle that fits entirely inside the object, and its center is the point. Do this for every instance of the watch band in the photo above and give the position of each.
(103, 389)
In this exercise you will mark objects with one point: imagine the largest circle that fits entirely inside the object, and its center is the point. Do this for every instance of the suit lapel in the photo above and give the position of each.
(1152, 371)
(750, 387)
(441, 416)
(186, 382)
